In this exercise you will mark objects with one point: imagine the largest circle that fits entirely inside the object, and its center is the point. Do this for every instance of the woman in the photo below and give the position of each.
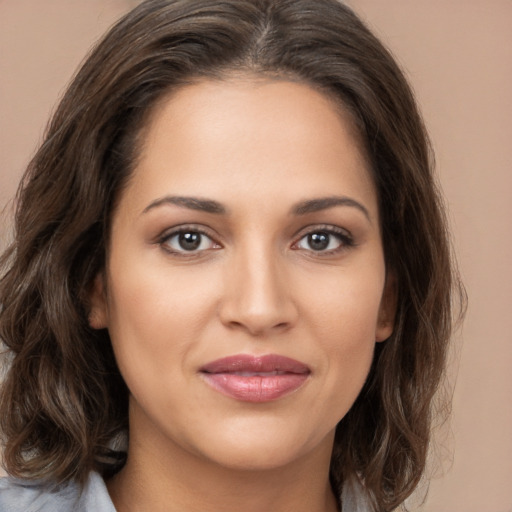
(230, 285)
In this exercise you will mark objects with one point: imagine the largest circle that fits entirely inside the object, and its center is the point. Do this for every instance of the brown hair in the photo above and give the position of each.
(63, 399)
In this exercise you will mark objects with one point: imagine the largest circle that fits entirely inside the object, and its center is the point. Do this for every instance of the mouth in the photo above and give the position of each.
(255, 378)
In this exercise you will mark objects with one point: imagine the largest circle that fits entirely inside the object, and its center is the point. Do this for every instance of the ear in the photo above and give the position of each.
(98, 311)
(387, 310)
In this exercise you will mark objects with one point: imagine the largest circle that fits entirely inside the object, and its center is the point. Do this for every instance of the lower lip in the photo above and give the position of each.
(255, 388)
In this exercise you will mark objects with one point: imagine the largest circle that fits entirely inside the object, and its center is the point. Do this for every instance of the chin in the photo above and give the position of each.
(262, 447)
(266, 458)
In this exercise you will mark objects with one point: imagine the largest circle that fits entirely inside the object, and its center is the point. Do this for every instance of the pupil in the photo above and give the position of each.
(189, 241)
(318, 241)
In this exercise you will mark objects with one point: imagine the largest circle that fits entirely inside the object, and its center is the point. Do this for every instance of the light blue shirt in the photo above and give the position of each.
(26, 496)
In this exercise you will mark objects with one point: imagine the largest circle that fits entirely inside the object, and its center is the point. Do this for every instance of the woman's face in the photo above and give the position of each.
(245, 284)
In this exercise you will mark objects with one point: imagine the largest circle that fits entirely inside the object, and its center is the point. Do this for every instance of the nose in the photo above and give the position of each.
(257, 295)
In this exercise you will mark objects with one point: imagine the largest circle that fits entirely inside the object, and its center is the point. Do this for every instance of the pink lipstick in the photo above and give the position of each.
(255, 378)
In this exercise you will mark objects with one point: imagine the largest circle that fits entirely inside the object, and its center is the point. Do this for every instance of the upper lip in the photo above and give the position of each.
(255, 364)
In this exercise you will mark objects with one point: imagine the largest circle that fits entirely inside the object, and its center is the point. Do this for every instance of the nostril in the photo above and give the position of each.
(258, 328)
(235, 325)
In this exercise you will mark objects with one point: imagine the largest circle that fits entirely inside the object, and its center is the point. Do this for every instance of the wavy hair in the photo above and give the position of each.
(63, 400)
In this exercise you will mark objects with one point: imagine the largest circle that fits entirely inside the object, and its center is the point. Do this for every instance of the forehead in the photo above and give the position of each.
(265, 140)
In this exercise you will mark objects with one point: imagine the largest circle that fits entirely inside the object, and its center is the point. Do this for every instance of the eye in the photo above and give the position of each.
(324, 241)
(188, 241)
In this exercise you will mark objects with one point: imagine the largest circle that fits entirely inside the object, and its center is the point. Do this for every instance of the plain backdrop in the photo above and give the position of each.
(458, 56)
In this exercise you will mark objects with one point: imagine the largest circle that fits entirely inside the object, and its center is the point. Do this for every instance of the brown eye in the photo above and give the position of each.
(324, 241)
(319, 241)
(188, 241)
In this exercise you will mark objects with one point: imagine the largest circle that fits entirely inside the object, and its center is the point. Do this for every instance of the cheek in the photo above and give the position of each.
(344, 306)
(155, 317)
(343, 317)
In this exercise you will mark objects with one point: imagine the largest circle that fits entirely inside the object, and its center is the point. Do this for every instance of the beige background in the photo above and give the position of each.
(458, 55)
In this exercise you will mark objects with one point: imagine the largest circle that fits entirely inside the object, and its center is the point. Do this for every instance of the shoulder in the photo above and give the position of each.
(32, 496)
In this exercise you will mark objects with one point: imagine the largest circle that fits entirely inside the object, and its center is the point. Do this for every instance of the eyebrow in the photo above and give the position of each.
(323, 203)
(302, 208)
(192, 203)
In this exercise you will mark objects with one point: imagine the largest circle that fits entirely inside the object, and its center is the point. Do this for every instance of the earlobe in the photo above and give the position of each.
(387, 311)
(98, 317)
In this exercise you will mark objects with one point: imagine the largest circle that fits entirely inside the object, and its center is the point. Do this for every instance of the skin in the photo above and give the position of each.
(255, 286)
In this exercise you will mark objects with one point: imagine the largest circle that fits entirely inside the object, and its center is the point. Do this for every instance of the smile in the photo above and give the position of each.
(255, 379)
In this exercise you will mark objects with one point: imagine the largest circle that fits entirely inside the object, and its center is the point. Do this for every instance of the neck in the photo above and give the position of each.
(173, 479)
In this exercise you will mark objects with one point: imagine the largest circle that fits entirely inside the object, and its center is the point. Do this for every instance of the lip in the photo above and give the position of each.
(251, 378)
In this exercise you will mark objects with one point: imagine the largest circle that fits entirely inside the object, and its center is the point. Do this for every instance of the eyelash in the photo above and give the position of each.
(345, 240)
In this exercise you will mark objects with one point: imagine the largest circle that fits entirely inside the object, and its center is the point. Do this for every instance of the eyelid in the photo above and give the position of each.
(331, 228)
